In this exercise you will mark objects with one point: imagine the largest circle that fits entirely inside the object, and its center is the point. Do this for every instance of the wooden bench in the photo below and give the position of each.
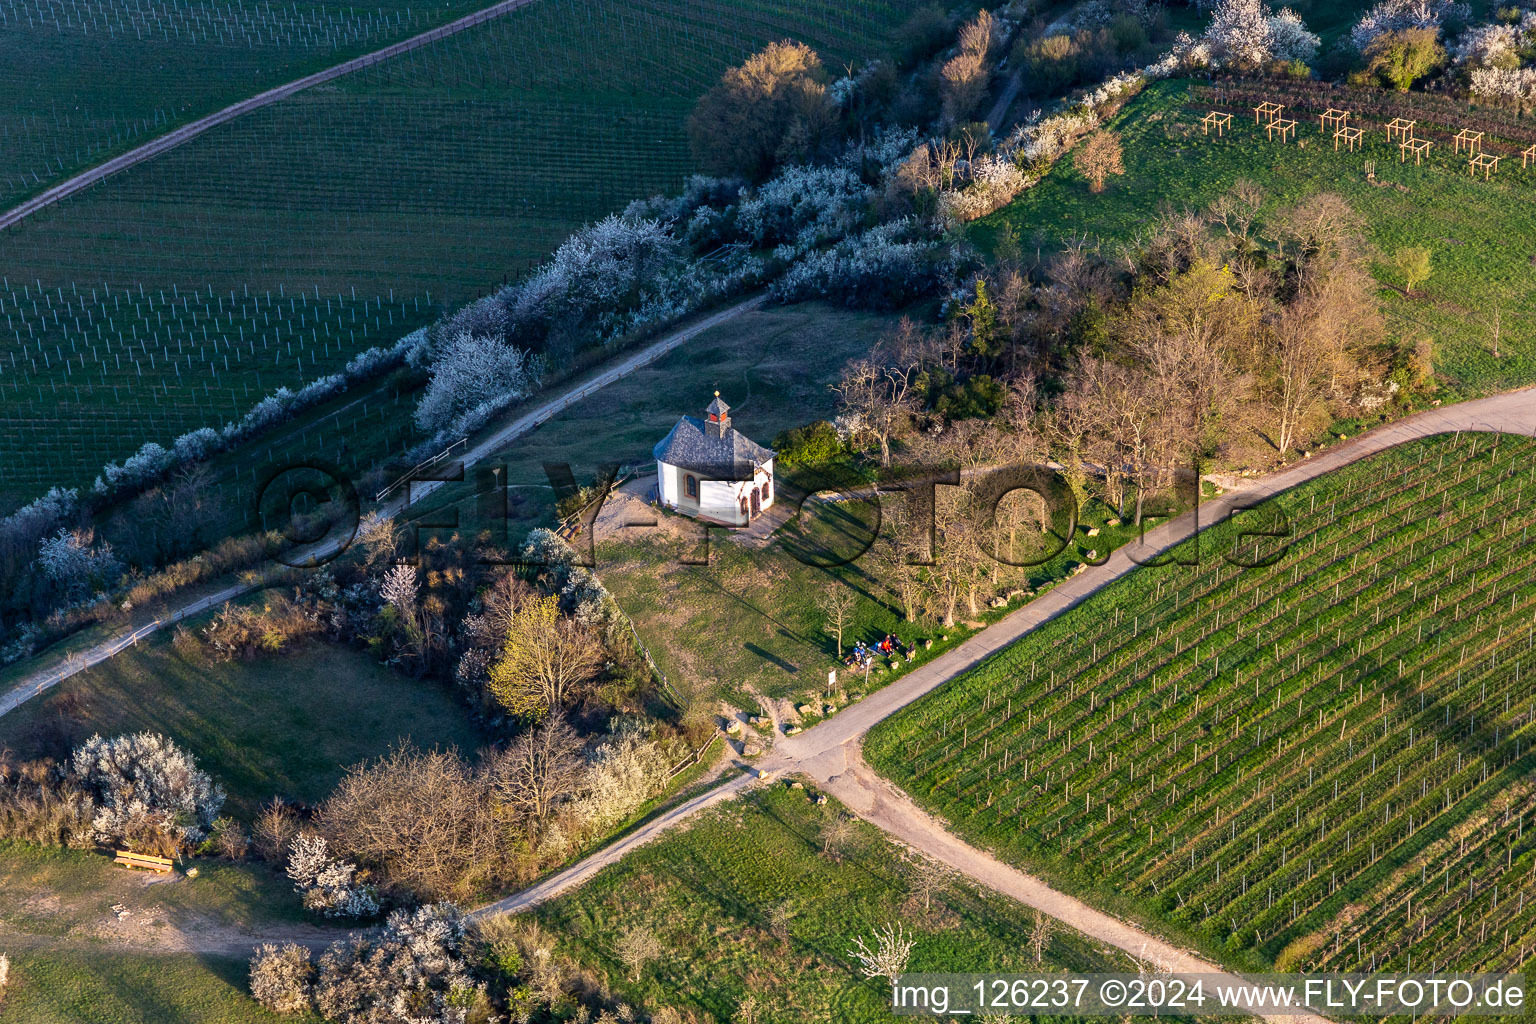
(147, 861)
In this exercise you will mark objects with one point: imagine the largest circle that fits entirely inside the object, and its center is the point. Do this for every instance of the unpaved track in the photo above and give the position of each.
(41, 681)
(187, 132)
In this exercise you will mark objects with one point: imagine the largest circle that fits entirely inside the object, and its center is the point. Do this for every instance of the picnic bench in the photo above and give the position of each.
(147, 861)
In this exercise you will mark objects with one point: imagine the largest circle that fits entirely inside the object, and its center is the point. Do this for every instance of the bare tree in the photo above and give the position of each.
(422, 818)
(837, 603)
(541, 767)
(886, 955)
(926, 878)
(836, 833)
(878, 390)
(1040, 935)
(637, 947)
(1100, 156)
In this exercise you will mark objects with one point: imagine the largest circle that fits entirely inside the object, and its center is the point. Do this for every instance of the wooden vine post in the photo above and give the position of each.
(1471, 139)
(1418, 147)
(1215, 119)
(1267, 112)
(1332, 118)
(1483, 162)
(1350, 136)
(1283, 126)
(1527, 155)
(1400, 129)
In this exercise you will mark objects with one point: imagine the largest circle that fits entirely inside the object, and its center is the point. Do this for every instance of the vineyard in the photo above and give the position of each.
(81, 80)
(83, 370)
(1478, 307)
(1325, 762)
(416, 183)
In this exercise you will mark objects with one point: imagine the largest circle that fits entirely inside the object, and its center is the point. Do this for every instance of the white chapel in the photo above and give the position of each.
(712, 471)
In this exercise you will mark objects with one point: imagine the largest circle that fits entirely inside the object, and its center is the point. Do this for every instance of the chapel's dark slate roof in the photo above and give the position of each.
(691, 445)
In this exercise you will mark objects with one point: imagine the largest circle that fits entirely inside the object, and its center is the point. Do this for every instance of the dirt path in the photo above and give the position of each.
(893, 812)
(41, 681)
(188, 132)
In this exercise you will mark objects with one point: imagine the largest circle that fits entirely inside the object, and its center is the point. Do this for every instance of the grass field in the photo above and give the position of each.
(75, 959)
(1477, 230)
(282, 725)
(422, 181)
(713, 892)
(80, 82)
(89, 987)
(1326, 762)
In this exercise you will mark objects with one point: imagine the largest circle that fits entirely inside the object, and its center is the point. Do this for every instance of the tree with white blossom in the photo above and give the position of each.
(885, 955)
(471, 371)
(145, 785)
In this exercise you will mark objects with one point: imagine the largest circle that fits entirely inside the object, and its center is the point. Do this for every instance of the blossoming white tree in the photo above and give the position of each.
(885, 955)
(145, 781)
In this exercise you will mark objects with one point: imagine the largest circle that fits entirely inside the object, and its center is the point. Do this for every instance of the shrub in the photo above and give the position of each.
(804, 206)
(773, 109)
(283, 978)
(1398, 15)
(808, 445)
(244, 631)
(884, 268)
(275, 828)
(1400, 58)
(144, 786)
(328, 886)
(38, 806)
(76, 564)
(470, 371)
(417, 971)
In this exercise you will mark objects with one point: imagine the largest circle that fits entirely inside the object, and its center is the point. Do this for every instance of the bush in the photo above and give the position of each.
(773, 109)
(1400, 58)
(808, 445)
(275, 828)
(470, 371)
(244, 631)
(38, 806)
(328, 886)
(146, 789)
(283, 978)
(419, 969)
(884, 268)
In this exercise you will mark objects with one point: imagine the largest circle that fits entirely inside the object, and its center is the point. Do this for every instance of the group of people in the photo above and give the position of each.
(863, 655)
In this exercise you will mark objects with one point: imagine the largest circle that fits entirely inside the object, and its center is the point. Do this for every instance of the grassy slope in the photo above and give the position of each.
(711, 891)
(287, 724)
(1101, 701)
(59, 905)
(1474, 228)
(78, 987)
